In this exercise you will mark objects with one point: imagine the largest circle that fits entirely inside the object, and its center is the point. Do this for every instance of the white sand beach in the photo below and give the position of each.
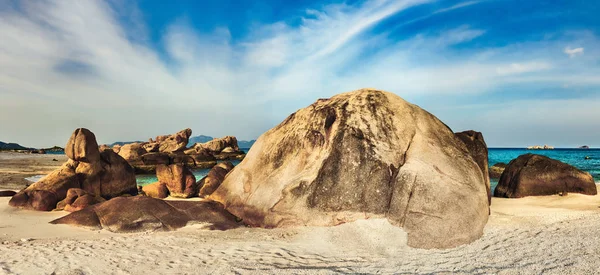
(534, 235)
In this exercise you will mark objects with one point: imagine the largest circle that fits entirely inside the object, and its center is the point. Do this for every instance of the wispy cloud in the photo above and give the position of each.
(573, 52)
(80, 64)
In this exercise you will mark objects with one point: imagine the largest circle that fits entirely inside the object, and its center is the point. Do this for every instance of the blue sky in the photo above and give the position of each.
(521, 72)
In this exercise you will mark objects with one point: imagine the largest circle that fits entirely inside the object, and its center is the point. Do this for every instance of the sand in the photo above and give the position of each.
(534, 235)
(15, 167)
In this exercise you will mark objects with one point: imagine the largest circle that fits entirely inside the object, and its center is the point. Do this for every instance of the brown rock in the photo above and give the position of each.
(132, 152)
(358, 155)
(156, 190)
(104, 147)
(45, 194)
(141, 213)
(156, 159)
(108, 178)
(82, 146)
(176, 142)
(218, 144)
(535, 175)
(180, 181)
(213, 180)
(7, 193)
(116, 148)
(104, 174)
(496, 170)
(151, 147)
(77, 199)
(479, 152)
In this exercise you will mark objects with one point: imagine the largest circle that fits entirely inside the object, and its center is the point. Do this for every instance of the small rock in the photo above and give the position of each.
(26, 240)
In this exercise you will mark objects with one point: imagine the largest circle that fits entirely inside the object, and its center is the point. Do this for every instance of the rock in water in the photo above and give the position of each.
(175, 142)
(213, 180)
(101, 174)
(358, 155)
(180, 181)
(478, 149)
(141, 213)
(535, 175)
(496, 170)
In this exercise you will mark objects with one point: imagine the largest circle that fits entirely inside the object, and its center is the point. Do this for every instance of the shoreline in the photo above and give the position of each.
(521, 237)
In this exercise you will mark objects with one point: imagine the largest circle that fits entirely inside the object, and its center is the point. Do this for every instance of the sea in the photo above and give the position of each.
(587, 160)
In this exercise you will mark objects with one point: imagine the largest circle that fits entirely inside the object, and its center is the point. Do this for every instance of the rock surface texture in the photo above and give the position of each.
(141, 213)
(100, 174)
(496, 170)
(535, 175)
(360, 155)
(180, 181)
(479, 152)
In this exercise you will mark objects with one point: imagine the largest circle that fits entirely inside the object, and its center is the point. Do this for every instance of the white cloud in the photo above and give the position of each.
(65, 65)
(527, 67)
(573, 52)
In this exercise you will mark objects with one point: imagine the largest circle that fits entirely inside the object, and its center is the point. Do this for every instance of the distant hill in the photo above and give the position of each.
(245, 143)
(11, 146)
(199, 139)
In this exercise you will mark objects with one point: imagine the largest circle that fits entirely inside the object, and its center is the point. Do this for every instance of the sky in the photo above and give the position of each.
(521, 72)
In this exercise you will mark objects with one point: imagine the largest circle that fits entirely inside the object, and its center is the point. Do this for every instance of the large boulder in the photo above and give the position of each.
(536, 175)
(180, 181)
(497, 169)
(358, 155)
(101, 174)
(141, 213)
(208, 184)
(479, 152)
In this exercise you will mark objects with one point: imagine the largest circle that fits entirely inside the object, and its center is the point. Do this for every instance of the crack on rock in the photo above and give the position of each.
(406, 210)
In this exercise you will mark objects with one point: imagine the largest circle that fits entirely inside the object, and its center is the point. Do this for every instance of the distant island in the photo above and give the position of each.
(584, 147)
(539, 147)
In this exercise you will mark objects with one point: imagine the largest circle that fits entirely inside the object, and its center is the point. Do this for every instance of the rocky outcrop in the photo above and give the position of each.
(363, 154)
(141, 213)
(496, 170)
(171, 149)
(213, 180)
(156, 190)
(180, 181)
(535, 175)
(102, 174)
(479, 152)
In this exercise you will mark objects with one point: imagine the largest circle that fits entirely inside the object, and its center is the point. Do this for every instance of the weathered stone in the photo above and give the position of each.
(358, 155)
(82, 146)
(176, 142)
(479, 152)
(180, 181)
(213, 180)
(536, 175)
(496, 170)
(141, 213)
(157, 190)
(218, 144)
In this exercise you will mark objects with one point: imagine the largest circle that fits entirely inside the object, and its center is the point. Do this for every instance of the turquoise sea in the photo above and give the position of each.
(575, 157)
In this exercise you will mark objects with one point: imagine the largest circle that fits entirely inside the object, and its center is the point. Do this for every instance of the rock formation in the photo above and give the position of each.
(535, 175)
(171, 149)
(156, 190)
(78, 199)
(479, 152)
(213, 180)
(357, 155)
(178, 179)
(496, 170)
(141, 213)
(103, 174)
